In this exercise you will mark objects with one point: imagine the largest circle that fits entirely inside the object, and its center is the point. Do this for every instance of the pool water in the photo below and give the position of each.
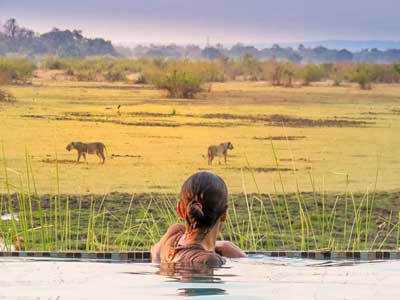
(256, 277)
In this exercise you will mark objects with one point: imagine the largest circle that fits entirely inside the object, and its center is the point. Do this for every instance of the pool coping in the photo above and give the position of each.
(145, 256)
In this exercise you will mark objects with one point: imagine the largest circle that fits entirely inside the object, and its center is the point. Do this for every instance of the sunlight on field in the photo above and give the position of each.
(154, 143)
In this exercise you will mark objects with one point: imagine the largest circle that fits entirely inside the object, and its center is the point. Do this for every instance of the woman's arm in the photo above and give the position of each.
(228, 249)
(156, 249)
(155, 253)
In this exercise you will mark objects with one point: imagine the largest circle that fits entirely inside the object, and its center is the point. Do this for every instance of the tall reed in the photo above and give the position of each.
(257, 221)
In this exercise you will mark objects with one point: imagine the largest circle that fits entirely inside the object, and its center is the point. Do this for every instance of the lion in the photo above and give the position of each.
(220, 150)
(88, 148)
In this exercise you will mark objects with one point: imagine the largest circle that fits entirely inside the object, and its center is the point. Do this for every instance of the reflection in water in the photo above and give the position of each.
(189, 273)
(193, 274)
(190, 292)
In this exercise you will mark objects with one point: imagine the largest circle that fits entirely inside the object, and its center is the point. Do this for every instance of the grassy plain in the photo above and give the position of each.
(154, 143)
(303, 175)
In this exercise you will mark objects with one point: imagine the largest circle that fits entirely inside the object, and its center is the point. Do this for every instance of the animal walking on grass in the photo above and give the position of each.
(88, 148)
(220, 150)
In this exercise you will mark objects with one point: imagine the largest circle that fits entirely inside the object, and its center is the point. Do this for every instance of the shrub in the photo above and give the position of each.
(363, 76)
(279, 73)
(85, 75)
(55, 63)
(396, 67)
(312, 73)
(251, 67)
(115, 75)
(180, 84)
(15, 70)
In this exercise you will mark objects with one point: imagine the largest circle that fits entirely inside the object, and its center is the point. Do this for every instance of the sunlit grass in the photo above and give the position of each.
(334, 150)
(283, 221)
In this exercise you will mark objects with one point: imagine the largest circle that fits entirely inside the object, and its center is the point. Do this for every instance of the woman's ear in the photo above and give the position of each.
(179, 211)
(223, 217)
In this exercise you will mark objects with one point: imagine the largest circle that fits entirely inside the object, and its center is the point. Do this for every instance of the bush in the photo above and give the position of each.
(279, 73)
(85, 75)
(115, 75)
(55, 63)
(15, 70)
(180, 84)
(396, 67)
(363, 76)
(312, 73)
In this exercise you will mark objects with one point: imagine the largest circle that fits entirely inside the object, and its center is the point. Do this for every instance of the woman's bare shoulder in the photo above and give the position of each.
(175, 228)
(171, 232)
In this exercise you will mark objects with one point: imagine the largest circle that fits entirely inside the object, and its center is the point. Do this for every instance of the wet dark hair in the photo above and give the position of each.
(203, 199)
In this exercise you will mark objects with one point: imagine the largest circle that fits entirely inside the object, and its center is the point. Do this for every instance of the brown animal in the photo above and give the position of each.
(220, 150)
(88, 148)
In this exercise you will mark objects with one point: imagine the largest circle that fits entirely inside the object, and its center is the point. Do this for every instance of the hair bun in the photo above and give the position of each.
(195, 212)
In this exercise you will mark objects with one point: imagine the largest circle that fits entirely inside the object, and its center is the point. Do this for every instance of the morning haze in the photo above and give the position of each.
(179, 21)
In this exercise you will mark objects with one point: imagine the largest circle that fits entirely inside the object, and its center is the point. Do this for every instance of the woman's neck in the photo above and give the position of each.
(207, 241)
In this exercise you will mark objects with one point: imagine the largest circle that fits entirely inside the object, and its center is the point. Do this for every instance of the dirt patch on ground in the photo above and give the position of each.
(158, 187)
(262, 169)
(96, 120)
(289, 121)
(131, 114)
(134, 123)
(273, 120)
(298, 159)
(382, 113)
(59, 161)
(280, 138)
(124, 156)
(149, 114)
(222, 118)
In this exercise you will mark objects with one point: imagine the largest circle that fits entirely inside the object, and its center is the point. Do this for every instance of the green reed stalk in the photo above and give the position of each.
(345, 211)
(141, 225)
(237, 222)
(398, 231)
(249, 213)
(269, 231)
(288, 214)
(7, 185)
(29, 194)
(89, 235)
(78, 224)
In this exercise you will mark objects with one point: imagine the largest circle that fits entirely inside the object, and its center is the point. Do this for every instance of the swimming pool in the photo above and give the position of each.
(257, 277)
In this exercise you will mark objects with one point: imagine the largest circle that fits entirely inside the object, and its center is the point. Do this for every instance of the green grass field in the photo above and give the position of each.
(155, 142)
(312, 168)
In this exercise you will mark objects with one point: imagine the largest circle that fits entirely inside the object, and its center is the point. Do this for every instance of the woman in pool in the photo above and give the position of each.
(203, 204)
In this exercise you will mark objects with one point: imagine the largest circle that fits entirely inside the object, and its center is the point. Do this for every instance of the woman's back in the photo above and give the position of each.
(170, 251)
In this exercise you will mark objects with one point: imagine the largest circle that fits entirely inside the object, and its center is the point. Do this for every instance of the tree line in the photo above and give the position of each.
(301, 54)
(184, 78)
(16, 39)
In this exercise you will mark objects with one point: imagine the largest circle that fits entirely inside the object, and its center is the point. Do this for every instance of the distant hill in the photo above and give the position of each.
(301, 53)
(350, 45)
(15, 39)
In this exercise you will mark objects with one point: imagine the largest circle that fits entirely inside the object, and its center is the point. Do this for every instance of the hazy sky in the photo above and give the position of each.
(185, 21)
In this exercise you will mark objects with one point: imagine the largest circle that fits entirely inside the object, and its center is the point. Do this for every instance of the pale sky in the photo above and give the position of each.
(226, 21)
